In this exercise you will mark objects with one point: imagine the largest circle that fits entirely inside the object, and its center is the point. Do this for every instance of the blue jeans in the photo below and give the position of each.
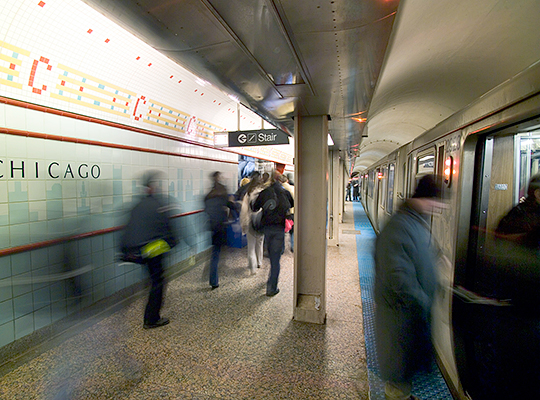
(214, 261)
(275, 239)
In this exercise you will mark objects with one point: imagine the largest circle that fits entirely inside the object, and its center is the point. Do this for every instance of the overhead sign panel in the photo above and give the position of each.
(260, 137)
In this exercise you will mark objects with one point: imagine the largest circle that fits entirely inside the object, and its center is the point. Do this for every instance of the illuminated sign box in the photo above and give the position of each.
(260, 137)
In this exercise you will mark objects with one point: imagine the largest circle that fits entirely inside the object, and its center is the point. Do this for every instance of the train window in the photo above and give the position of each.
(390, 192)
(378, 178)
(382, 186)
(426, 164)
(371, 181)
(528, 161)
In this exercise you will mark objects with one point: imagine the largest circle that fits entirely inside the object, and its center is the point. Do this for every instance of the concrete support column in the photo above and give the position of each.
(310, 215)
(334, 196)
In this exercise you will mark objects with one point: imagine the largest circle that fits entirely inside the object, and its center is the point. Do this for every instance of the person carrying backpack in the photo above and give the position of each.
(275, 202)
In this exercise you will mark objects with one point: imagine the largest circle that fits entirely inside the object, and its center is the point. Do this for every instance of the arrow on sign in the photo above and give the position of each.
(242, 138)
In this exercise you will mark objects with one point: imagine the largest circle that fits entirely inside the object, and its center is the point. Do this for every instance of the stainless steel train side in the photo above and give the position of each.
(478, 154)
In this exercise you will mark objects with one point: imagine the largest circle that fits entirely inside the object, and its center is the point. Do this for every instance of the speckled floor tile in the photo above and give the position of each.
(230, 343)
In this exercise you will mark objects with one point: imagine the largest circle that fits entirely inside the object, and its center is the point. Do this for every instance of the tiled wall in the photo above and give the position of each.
(63, 56)
(53, 201)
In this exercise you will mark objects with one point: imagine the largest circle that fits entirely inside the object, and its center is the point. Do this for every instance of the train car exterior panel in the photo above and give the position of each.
(476, 153)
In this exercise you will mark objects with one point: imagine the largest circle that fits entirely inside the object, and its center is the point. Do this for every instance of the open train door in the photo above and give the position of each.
(496, 302)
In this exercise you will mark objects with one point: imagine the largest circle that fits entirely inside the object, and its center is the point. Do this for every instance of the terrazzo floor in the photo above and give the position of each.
(230, 343)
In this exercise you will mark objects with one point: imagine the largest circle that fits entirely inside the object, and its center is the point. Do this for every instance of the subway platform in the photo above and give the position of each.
(230, 343)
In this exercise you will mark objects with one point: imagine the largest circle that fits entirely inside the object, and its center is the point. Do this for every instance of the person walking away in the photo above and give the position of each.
(215, 205)
(290, 216)
(255, 239)
(356, 191)
(405, 285)
(275, 202)
(240, 193)
(147, 237)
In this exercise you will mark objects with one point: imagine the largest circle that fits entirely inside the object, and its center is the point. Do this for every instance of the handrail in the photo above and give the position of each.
(52, 242)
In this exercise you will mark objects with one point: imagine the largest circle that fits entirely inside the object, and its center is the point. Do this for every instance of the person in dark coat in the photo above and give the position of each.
(522, 223)
(216, 203)
(404, 290)
(275, 202)
(356, 191)
(149, 222)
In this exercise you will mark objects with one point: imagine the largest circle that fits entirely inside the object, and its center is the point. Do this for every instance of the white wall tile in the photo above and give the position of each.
(69, 189)
(51, 124)
(3, 190)
(16, 146)
(4, 214)
(15, 118)
(37, 190)
(107, 187)
(18, 190)
(82, 152)
(37, 211)
(94, 154)
(3, 115)
(96, 206)
(70, 207)
(36, 148)
(68, 127)
(54, 150)
(95, 188)
(35, 121)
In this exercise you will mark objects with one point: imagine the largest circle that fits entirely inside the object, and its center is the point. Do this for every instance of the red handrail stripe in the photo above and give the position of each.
(35, 107)
(37, 135)
(52, 242)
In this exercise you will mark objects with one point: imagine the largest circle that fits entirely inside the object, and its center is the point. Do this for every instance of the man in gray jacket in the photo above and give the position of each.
(404, 290)
(149, 222)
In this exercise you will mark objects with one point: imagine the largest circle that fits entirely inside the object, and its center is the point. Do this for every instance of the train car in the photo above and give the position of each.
(485, 325)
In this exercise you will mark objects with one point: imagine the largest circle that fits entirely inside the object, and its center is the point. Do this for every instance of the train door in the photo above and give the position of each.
(495, 312)
(376, 196)
(390, 189)
(381, 195)
(369, 201)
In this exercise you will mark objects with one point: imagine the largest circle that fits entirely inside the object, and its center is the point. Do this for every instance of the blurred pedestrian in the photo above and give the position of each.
(239, 195)
(404, 290)
(216, 203)
(147, 237)
(356, 191)
(290, 215)
(255, 239)
(275, 202)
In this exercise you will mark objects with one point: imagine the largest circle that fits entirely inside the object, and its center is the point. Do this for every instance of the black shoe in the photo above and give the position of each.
(157, 324)
(214, 287)
(273, 293)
